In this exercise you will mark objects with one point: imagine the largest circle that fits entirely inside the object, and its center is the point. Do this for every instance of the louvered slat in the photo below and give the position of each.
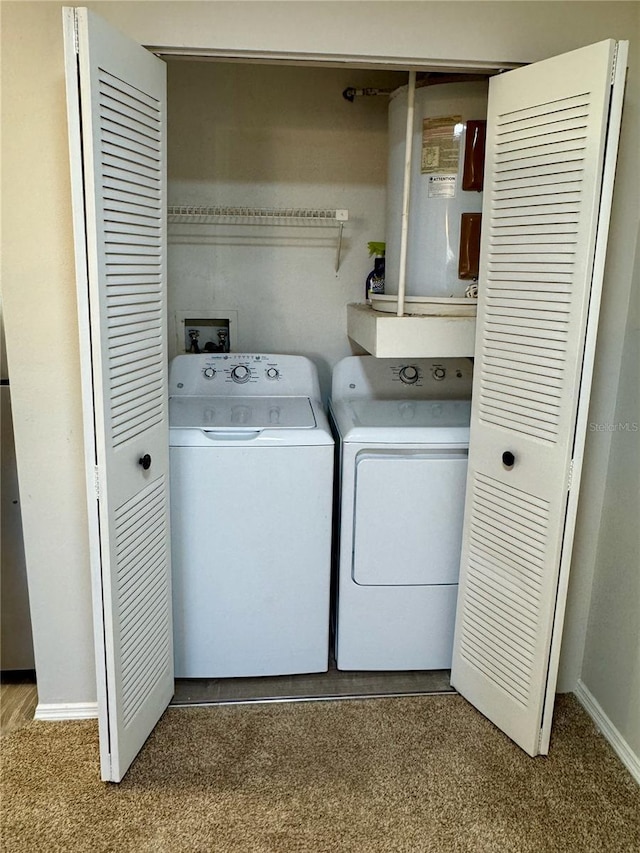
(115, 163)
(132, 554)
(130, 144)
(546, 251)
(543, 112)
(122, 134)
(142, 188)
(136, 381)
(126, 238)
(143, 618)
(506, 558)
(119, 205)
(120, 359)
(120, 114)
(145, 367)
(129, 529)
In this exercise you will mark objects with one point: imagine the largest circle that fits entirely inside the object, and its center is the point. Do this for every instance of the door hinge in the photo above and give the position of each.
(96, 481)
(614, 64)
(76, 36)
(570, 477)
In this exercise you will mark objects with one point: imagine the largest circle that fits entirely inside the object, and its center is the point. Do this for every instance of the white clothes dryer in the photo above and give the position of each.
(403, 429)
(251, 456)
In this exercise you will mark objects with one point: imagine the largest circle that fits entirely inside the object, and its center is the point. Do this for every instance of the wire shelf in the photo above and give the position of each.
(194, 214)
(306, 216)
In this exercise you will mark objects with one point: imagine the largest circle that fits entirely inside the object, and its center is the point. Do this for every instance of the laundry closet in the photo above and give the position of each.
(535, 331)
(253, 150)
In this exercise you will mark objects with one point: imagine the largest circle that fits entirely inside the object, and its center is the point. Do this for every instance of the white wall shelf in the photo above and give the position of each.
(389, 336)
(292, 216)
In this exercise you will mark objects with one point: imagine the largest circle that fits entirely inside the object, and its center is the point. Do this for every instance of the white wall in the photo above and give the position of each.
(39, 305)
(16, 645)
(611, 666)
(275, 136)
(38, 270)
(621, 274)
(466, 32)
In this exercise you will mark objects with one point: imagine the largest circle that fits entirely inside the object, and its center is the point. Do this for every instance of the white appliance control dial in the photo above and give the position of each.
(240, 373)
(438, 373)
(209, 372)
(273, 373)
(409, 374)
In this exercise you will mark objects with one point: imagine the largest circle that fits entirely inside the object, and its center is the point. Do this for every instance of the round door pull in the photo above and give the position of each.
(145, 461)
(508, 459)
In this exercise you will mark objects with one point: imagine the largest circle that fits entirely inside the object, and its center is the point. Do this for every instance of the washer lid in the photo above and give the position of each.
(403, 421)
(242, 413)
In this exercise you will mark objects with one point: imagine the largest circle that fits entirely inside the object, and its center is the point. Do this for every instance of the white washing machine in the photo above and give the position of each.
(251, 457)
(403, 428)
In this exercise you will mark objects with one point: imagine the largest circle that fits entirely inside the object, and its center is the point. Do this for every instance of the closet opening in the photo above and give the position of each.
(252, 148)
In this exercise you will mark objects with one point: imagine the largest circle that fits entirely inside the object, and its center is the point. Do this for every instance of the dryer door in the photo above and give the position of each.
(409, 508)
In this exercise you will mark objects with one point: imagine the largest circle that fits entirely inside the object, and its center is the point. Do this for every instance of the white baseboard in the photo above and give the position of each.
(67, 711)
(624, 752)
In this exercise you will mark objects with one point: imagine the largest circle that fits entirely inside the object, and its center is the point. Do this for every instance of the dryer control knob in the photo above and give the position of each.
(273, 373)
(438, 373)
(241, 373)
(209, 372)
(409, 374)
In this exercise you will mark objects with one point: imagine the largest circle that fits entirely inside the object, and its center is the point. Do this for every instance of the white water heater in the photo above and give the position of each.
(437, 200)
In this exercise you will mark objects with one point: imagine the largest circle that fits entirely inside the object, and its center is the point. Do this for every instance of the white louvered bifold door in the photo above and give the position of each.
(544, 232)
(119, 92)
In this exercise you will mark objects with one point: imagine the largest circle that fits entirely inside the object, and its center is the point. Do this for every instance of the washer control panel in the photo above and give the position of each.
(242, 369)
(222, 374)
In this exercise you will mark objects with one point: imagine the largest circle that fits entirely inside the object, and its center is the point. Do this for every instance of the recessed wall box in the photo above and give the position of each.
(205, 331)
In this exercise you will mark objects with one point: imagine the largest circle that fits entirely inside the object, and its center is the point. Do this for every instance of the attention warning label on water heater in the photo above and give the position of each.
(441, 145)
(442, 186)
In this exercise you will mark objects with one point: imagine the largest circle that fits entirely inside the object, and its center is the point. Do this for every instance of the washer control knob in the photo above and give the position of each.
(209, 372)
(241, 373)
(438, 373)
(272, 373)
(409, 374)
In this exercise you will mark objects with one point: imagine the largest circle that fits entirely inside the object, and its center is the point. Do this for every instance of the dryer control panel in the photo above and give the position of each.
(390, 378)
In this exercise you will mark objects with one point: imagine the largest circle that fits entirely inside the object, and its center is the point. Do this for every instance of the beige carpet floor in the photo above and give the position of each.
(410, 774)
